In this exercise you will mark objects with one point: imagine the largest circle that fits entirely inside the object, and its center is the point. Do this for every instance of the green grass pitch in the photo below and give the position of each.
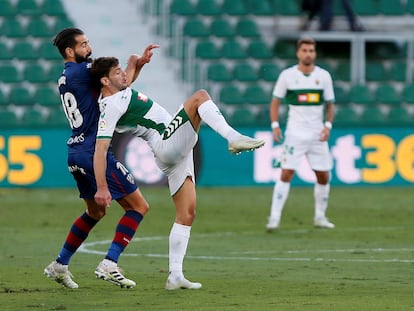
(365, 263)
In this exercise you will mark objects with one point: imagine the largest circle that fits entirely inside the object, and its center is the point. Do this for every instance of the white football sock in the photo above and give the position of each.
(212, 116)
(179, 237)
(321, 195)
(280, 194)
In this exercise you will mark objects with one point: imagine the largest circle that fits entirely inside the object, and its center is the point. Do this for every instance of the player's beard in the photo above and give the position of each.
(81, 59)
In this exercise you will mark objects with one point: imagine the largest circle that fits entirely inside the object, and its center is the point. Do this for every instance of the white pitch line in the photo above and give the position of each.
(86, 248)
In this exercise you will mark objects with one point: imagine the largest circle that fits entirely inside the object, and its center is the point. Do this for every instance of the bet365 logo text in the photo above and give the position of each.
(369, 158)
(19, 165)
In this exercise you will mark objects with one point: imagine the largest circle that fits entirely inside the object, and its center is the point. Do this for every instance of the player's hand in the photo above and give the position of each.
(147, 55)
(103, 197)
(277, 135)
(325, 133)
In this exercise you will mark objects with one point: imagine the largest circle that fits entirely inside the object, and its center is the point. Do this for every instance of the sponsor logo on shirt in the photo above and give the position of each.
(142, 97)
(308, 98)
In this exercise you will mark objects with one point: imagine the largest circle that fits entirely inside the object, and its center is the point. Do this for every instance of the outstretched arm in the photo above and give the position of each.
(103, 196)
(136, 62)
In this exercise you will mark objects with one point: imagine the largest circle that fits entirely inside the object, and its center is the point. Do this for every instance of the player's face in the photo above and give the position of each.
(82, 49)
(306, 54)
(118, 78)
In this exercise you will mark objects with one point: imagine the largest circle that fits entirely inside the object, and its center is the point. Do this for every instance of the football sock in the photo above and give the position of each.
(280, 194)
(125, 230)
(77, 234)
(321, 195)
(212, 116)
(179, 237)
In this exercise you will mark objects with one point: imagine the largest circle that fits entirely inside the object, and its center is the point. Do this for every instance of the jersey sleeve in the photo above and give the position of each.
(110, 114)
(280, 88)
(328, 92)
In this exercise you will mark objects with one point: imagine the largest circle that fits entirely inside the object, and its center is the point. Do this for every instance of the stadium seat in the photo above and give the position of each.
(35, 73)
(7, 8)
(5, 52)
(207, 50)
(20, 96)
(375, 71)
(234, 7)
(53, 8)
(361, 94)
(409, 6)
(387, 94)
(33, 118)
(247, 28)
(208, 7)
(285, 49)
(57, 118)
(61, 23)
(256, 95)
(260, 8)
(222, 28)
(341, 95)
(233, 49)
(230, 95)
(400, 117)
(243, 117)
(12, 28)
(283, 7)
(346, 116)
(28, 7)
(195, 27)
(24, 50)
(259, 49)
(182, 7)
(245, 72)
(398, 71)
(342, 72)
(269, 72)
(373, 116)
(9, 74)
(218, 72)
(38, 27)
(408, 94)
(366, 7)
(8, 119)
(55, 70)
(47, 96)
(387, 7)
(48, 52)
(3, 99)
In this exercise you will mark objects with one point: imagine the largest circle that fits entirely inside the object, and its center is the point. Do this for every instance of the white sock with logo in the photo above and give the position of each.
(179, 237)
(212, 116)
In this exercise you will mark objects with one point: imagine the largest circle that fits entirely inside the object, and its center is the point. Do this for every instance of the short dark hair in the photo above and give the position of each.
(101, 66)
(305, 41)
(66, 38)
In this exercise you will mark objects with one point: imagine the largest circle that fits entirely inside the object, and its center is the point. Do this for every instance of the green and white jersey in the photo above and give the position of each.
(132, 111)
(305, 95)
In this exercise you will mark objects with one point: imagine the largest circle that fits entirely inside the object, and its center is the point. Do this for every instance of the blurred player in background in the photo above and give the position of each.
(79, 99)
(171, 138)
(308, 90)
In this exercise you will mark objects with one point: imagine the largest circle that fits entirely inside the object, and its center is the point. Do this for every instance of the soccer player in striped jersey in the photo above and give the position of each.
(79, 100)
(308, 91)
(171, 138)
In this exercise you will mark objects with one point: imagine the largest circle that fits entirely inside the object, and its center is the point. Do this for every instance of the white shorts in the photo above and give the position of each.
(316, 152)
(174, 156)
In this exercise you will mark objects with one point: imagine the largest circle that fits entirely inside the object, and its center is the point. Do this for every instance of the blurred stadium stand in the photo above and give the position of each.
(233, 48)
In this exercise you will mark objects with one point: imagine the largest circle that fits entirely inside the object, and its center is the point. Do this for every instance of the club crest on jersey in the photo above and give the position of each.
(308, 98)
(102, 124)
(142, 97)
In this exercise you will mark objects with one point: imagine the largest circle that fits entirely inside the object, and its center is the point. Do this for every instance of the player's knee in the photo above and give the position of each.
(201, 95)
